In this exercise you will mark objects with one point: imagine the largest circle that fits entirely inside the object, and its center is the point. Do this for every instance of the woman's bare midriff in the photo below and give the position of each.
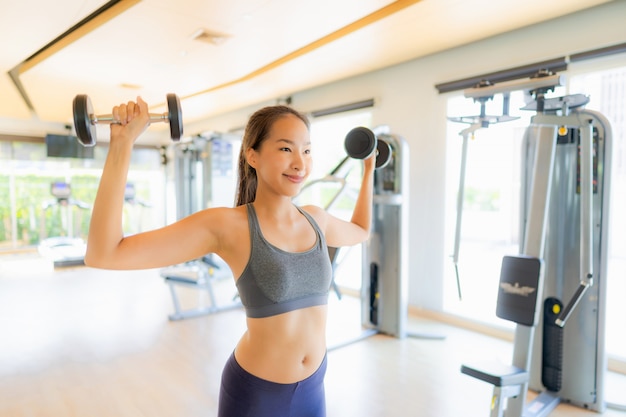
(285, 348)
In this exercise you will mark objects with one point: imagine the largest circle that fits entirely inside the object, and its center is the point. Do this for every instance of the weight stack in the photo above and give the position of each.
(552, 360)
(374, 294)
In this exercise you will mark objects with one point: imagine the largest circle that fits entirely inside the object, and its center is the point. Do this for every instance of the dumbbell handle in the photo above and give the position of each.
(109, 119)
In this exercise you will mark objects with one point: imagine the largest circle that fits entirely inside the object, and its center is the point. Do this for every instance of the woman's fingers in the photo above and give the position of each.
(125, 113)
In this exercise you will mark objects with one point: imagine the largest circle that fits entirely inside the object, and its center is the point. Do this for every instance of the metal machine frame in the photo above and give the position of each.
(564, 224)
(384, 288)
(203, 171)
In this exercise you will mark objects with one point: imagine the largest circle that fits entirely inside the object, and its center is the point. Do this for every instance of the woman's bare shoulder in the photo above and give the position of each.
(230, 226)
(227, 222)
(222, 218)
(319, 214)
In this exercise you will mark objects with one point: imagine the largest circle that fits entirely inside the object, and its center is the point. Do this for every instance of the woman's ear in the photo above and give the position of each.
(251, 157)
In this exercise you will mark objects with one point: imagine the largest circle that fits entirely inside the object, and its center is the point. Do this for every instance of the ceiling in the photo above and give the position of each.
(251, 51)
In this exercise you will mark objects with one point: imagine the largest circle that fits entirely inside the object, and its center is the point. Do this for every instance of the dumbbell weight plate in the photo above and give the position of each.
(383, 153)
(176, 116)
(360, 142)
(85, 130)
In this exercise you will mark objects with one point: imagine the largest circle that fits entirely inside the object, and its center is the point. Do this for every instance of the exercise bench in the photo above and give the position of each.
(199, 274)
(517, 302)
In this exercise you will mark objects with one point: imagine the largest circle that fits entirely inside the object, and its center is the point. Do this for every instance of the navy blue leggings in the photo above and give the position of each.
(245, 395)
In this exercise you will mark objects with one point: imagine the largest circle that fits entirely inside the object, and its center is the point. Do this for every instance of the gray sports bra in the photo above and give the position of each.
(276, 281)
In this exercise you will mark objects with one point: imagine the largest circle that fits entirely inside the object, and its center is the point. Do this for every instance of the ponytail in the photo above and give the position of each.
(247, 181)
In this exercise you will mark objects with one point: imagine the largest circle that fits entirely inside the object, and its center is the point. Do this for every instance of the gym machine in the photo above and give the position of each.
(384, 279)
(204, 178)
(385, 260)
(384, 287)
(62, 250)
(554, 290)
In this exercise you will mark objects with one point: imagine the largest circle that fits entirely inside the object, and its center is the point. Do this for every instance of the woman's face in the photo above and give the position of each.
(283, 161)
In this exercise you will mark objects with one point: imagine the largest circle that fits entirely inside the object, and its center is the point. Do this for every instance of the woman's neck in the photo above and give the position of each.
(278, 208)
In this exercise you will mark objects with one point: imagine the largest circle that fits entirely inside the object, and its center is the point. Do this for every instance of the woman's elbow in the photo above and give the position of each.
(92, 260)
(95, 259)
(364, 235)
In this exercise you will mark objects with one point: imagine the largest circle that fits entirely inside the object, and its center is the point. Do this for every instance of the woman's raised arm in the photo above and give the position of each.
(107, 247)
(341, 233)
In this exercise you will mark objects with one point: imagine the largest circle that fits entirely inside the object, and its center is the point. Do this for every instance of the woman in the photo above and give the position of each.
(276, 250)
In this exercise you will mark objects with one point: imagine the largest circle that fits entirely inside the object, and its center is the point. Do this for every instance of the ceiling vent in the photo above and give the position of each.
(209, 36)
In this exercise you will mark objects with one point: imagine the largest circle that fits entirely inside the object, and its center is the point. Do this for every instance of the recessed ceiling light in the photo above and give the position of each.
(209, 36)
(130, 86)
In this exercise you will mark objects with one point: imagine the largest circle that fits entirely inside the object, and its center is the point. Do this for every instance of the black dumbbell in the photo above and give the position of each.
(85, 120)
(361, 142)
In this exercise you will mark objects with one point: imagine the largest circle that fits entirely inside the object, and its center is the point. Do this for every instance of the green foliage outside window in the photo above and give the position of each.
(38, 214)
(28, 210)
(481, 199)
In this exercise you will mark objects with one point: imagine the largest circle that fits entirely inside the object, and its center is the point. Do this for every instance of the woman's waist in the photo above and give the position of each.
(285, 348)
(281, 364)
(293, 327)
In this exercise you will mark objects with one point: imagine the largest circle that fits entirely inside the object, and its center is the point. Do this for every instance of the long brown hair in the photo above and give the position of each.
(257, 130)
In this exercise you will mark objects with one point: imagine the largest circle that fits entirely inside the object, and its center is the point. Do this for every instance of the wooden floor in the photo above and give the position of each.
(90, 343)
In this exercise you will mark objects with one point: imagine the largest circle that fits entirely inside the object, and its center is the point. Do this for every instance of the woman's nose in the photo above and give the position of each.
(297, 162)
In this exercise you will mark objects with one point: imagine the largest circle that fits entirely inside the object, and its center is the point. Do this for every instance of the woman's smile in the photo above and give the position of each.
(295, 178)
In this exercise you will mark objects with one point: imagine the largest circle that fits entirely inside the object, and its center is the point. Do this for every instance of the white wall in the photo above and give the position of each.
(408, 102)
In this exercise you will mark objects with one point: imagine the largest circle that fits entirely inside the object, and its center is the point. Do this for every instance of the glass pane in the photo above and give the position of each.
(5, 150)
(490, 216)
(6, 225)
(31, 213)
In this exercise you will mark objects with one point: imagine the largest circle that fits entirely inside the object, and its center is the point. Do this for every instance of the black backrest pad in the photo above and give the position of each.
(517, 293)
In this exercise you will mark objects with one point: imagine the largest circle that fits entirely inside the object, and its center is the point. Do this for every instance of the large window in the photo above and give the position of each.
(31, 213)
(490, 216)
